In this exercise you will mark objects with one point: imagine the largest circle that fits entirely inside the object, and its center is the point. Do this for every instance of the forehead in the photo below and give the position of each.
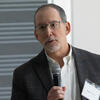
(46, 15)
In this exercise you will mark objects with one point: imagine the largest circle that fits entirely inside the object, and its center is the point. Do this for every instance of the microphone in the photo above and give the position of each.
(56, 71)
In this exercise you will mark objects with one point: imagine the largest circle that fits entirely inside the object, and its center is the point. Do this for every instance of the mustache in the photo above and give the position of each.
(50, 39)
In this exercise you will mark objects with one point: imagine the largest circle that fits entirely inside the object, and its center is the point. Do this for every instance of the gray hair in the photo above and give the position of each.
(58, 8)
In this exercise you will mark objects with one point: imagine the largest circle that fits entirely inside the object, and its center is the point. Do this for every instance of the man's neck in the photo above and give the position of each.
(60, 54)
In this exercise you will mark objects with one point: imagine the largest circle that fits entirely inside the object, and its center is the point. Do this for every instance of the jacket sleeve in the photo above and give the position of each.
(18, 90)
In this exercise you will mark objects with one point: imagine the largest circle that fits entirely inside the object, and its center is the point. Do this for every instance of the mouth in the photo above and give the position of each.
(51, 41)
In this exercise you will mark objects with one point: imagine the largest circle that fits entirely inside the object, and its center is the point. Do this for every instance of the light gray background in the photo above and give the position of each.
(86, 24)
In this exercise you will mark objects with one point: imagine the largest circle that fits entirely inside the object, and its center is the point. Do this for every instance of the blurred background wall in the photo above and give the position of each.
(86, 24)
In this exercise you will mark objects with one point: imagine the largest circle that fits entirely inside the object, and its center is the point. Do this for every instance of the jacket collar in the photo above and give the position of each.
(81, 64)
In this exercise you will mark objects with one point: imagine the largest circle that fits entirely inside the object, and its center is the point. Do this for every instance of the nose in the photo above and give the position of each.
(48, 31)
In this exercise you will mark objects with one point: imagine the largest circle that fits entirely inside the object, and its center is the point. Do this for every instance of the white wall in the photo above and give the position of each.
(86, 24)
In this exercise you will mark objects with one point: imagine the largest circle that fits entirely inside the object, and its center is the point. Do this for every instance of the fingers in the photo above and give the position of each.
(64, 88)
(56, 93)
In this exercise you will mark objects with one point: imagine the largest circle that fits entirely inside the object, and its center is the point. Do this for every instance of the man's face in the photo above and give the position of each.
(50, 30)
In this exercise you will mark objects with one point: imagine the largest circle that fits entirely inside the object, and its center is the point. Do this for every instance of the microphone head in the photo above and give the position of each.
(55, 68)
(56, 71)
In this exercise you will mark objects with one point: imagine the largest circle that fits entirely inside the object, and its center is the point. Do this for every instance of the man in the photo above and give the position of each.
(34, 79)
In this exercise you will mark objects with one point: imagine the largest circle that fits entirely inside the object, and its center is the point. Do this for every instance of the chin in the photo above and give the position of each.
(53, 49)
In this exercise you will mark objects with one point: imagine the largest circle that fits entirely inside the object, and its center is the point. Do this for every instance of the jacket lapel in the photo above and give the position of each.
(43, 71)
(81, 68)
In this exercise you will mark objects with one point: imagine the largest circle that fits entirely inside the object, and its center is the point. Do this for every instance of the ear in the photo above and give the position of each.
(68, 28)
(36, 35)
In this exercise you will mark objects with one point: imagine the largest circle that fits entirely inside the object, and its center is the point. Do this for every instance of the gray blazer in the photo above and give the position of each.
(32, 80)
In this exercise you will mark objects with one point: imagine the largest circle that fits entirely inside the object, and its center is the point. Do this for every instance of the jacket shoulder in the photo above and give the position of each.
(86, 54)
(29, 65)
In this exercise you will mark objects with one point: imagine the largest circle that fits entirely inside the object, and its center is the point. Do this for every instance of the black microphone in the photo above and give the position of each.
(56, 71)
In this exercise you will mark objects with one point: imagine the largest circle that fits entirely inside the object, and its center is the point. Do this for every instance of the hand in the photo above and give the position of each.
(56, 93)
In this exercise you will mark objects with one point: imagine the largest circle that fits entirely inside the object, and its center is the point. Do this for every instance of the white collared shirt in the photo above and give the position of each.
(68, 77)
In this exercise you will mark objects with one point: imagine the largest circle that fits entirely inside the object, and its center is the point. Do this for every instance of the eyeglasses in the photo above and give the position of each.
(54, 25)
